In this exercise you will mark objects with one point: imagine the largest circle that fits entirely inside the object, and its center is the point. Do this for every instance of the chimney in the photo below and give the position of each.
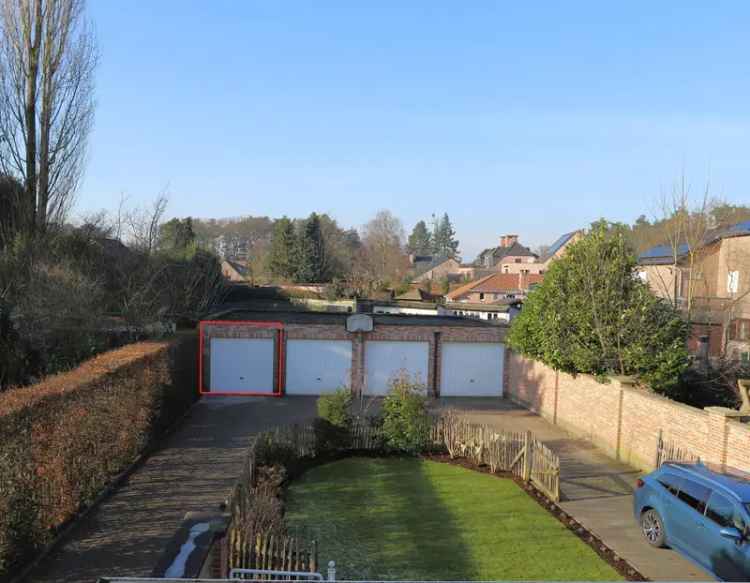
(508, 240)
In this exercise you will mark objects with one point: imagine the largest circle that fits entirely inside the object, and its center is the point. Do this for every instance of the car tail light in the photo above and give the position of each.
(639, 483)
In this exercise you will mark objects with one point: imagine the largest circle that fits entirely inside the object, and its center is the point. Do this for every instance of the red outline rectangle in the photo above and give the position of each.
(280, 358)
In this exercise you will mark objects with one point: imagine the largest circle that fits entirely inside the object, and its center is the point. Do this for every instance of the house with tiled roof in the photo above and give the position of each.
(434, 268)
(512, 257)
(509, 251)
(710, 284)
(495, 287)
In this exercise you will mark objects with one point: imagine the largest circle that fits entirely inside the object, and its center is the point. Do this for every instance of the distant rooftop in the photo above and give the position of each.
(557, 245)
(663, 254)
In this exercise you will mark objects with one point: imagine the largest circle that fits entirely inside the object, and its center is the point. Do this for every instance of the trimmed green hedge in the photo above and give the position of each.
(64, 439)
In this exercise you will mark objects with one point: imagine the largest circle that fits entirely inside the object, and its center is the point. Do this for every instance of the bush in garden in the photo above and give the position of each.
(333, 426)
(593, 315)
(406, 421)
(270, 452)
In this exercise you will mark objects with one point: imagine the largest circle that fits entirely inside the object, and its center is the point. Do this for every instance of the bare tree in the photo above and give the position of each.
(383, 246)
(144, 224)
(685, 229)
(47, 61)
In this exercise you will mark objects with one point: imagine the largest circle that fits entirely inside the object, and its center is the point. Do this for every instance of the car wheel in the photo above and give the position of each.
(652, 528)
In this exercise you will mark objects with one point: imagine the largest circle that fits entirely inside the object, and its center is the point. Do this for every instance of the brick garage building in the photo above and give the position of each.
(254, 353)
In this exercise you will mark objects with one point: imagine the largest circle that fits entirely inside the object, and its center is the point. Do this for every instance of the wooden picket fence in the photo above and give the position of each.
(248, 550)
(670, 451)
(516, 452)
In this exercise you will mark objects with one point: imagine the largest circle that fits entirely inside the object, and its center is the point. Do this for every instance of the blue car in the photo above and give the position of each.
(702, 512)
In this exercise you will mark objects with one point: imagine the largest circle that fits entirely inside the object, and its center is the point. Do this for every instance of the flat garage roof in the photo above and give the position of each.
(340, 319)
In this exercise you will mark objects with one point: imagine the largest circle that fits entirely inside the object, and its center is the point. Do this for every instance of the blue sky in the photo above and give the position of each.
(530, 118)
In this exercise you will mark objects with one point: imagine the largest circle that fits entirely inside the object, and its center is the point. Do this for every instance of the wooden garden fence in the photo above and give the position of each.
(248, 550)
(519, 453)
(516, 452)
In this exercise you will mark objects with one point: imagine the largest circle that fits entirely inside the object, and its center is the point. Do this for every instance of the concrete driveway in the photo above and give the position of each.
(595, 489)
(194, 470)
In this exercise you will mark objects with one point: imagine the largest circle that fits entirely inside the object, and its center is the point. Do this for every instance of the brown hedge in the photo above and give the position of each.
(63, 439)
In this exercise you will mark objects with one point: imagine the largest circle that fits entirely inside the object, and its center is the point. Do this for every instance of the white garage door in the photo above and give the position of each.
(242, 365)
(314, 367)
(471, 369)
(386, 360)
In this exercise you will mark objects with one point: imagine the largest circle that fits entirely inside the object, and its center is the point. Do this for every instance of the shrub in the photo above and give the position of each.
(592, 315)
(335, 407)
(63, 439)
(270, 452)
(406, 422)
(333, 425)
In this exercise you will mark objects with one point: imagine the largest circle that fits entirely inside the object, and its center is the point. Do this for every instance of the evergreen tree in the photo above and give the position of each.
(310, 252)
(177, 236)
(443, 238)
(281, 258)
(420, 240)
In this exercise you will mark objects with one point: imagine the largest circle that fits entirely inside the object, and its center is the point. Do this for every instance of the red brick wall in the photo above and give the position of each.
(626, 421)
(339, 332)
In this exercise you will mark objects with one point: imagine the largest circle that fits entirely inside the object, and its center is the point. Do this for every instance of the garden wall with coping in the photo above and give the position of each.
(625, 421)
(63, 440)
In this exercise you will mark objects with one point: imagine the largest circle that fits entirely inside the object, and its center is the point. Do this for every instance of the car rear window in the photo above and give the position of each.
(694, 494)
(721, 510)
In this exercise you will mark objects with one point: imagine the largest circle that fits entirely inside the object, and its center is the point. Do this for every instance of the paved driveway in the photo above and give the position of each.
(596, 490)
(193, 471)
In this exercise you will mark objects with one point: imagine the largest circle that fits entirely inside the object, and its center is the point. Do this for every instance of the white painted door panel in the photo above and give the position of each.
(315, 367)
(385, 360)
(242, 365)
(471, 369)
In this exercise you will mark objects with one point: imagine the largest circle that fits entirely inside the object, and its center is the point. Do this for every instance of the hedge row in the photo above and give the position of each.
(64, 439)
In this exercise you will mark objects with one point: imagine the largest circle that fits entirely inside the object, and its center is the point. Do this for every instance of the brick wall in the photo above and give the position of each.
(625, 421)
(380, 333)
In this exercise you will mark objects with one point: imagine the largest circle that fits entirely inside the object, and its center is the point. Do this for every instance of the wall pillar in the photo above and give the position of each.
(435, 363)
(715, 449)
(358, 363)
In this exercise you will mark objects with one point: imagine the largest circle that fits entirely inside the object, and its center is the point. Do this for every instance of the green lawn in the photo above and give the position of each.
(400, 518)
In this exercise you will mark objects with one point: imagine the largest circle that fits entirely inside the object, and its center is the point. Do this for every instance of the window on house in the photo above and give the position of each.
(524, 272)
(506, 269)
(481, 296)
(518, 260)
(733, 282)
(743, 329)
